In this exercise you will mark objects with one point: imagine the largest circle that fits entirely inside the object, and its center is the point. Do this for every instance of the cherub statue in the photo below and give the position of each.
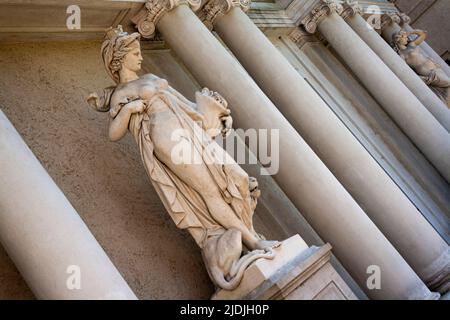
(431, 73)
(213, 199)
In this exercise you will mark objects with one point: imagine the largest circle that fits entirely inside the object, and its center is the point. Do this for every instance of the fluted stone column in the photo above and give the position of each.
(429, 99)
(404, 108)
(45, 237)
(380, 197)
(405, 24)
(303, 177)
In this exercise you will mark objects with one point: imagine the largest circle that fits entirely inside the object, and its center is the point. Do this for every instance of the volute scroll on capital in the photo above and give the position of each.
(323, 9)
(147, 19)
(214, 8)
(388, 19)
(404, 19)
(350, 9)
(301, 37)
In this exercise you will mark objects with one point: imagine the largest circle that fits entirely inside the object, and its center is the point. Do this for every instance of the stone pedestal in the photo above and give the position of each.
(296, 273)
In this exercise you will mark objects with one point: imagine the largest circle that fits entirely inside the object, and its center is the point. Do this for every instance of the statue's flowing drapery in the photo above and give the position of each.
(186, 206)
(440, 84)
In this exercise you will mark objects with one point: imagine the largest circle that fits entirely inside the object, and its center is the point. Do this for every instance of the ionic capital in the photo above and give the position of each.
(301, 37)
(388, 19)
(215, 8)
(322, 9)
(404, 19)
(350, 9)
(147, 19)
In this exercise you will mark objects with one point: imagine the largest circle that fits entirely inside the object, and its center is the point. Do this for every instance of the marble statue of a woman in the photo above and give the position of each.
(424, 66)
(211, 198)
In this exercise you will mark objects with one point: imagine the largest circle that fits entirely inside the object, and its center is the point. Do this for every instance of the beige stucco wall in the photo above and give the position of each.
(42, 90)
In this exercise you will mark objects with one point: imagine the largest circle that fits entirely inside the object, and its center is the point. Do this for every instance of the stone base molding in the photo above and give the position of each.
(296, 273)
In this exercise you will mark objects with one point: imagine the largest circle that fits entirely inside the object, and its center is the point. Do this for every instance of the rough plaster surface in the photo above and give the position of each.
(42, 92)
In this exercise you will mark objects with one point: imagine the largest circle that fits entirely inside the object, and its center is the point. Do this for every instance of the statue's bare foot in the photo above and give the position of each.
(267, 244)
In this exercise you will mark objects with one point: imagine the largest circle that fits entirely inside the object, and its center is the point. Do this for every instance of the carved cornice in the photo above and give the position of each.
(323, 9)
(350, 9)
(147, 19)
(404, 18)
(215, 8)
(389, 18)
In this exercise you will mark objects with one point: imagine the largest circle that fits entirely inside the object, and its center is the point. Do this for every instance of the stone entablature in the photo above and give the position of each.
(291, 14)
(96, 17)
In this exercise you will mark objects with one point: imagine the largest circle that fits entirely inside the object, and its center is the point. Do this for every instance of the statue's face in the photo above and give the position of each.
(403, 39)
(133, 59)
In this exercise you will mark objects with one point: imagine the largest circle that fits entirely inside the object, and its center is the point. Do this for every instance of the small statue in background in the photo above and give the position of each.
(209, 195)
(432, 74)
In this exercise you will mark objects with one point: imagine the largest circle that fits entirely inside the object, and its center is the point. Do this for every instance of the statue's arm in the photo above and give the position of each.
(119, 125)
(422, 35)
(217, 115)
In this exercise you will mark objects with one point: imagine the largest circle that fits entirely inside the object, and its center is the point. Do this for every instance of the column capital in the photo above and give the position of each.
(350, 9)
(301, 37)
(147, 19)
(215, 8)
(404, 19)
(320, 11)
(388, 19)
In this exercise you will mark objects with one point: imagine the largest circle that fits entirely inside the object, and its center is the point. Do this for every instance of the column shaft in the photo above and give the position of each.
(410, 115)
(44, 235)
(414, 83)
(304, 178)
(389, 27)
(380, 197)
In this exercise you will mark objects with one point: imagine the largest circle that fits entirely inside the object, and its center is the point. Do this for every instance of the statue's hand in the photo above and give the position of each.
(136, 106)
(227, 123)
